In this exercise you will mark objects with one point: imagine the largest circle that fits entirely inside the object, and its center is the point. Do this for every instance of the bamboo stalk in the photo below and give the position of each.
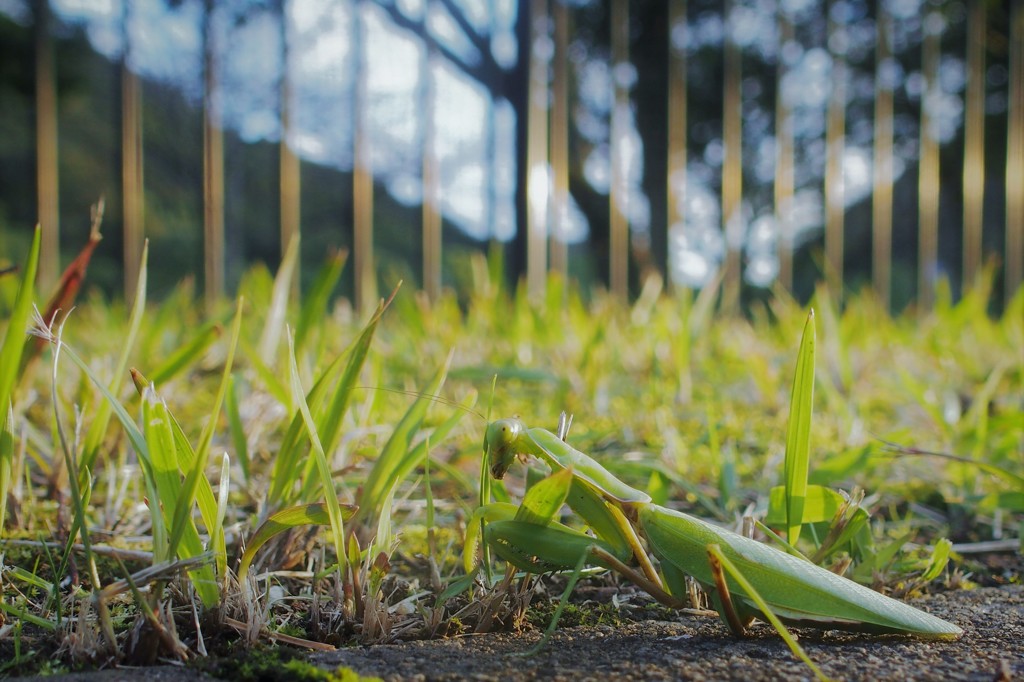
(290, 167)
(881, 207)
(928, 172)
(784, 165)
(676, 186)
(618, 247)
(432, 219)
(1014, 251)
(974, 143)
(47, 174)
(213, 170)
(835, 194)
(732, 168)
(362, 175)
(537, 157)
(491, 183)
(132, 183)
(560, 141)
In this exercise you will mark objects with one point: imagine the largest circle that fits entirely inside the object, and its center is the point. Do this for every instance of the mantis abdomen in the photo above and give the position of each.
(797, 591)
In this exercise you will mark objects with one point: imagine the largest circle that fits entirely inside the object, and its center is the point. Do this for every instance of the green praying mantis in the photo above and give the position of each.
(770, 583)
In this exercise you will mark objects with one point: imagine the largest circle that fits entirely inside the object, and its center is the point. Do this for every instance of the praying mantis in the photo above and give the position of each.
(790, 588)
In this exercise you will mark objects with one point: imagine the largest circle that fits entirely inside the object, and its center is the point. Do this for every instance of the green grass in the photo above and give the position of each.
(289, 432)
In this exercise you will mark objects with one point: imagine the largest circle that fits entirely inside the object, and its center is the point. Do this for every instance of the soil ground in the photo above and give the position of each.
(689, 648)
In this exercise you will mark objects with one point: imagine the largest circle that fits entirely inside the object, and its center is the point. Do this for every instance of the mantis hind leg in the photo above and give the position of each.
(723, 601)
(719, 561)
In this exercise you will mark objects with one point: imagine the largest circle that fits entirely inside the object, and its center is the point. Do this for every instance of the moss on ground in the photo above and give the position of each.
(266, 664)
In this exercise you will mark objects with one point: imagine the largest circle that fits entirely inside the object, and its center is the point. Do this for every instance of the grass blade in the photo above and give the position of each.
(322, 465)
(398, 457)
(314, 306)
(287, 465)
(238, 437)
(164, 473)
(715, 553)
(798, 433)
(185, 457)
(14, 340)
(175, 499)
(331, 421)
(270, 380)
(562, 602)
(6, 462)
(820, 504)
(192, 545)
(11, 354)
(187, 354)
(937, 562)
(197, 468)
(98, 429)
(314, 514)
(275, 323)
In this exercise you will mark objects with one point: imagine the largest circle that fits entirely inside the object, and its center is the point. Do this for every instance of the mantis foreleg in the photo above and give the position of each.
(594, 494)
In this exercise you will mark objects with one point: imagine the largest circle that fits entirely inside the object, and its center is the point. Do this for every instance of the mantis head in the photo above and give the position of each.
(500, 444)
